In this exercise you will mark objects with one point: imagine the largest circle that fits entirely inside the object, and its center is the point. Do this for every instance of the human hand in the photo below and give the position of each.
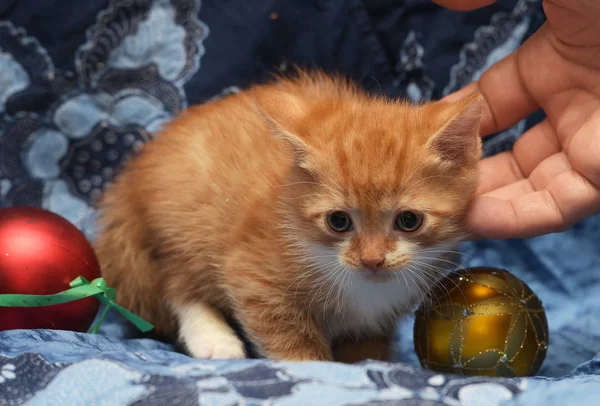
(551, 178)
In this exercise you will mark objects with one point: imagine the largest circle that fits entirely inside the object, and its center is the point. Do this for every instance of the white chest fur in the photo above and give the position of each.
(367, 307)
(357, 305)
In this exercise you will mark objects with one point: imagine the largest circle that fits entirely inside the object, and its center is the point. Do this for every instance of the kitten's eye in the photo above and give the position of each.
(339, 221)
(409, 221)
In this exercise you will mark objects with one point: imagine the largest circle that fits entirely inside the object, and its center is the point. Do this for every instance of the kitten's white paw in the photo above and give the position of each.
(216, 346)
(206, 334)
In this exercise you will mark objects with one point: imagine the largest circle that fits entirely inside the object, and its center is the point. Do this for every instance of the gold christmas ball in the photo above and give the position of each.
(482, 321)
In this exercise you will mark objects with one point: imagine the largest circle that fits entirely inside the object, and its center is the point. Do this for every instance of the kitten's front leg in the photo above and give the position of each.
(283, 332)
(206, 334)
(351, 352)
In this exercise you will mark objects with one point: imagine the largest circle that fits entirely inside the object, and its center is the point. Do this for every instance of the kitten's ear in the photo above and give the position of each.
(457, 143)
(284, 112)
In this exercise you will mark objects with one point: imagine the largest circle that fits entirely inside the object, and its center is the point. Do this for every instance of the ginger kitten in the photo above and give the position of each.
(308, 211)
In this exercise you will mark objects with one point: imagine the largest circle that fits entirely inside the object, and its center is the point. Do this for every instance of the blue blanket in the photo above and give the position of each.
(84, 84)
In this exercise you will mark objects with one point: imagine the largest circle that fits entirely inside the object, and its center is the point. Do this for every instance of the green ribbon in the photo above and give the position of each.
(80, 289)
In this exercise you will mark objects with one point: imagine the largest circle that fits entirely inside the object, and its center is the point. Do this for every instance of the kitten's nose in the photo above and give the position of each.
(373, 263)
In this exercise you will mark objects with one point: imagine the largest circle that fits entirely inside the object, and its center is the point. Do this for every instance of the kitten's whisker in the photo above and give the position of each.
(313, 262)
(431, 294)
(298, 280)
(320, 284)
(409, 274)
(445, 261)
(405, 281)
(351, 281)
(421, 279)
(332, 283)
(415, 272)
(436, 280)
(458, 266)
(437, 258)
(444, 273)
(334, 286)
(340, 291)
(436, 250)
(440, 251)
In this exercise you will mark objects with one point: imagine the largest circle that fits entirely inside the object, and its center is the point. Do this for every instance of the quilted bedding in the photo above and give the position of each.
(84, 84)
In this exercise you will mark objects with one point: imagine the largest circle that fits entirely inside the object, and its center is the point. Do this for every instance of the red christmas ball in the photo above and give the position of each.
(40, 254)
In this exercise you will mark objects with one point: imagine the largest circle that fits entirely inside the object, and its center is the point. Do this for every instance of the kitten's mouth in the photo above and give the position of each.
(379, 276)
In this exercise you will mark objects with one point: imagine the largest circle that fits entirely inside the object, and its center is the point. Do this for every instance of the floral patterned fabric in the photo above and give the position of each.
(83, 85)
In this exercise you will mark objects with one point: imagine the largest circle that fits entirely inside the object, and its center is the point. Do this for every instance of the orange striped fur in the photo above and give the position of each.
(224, 214)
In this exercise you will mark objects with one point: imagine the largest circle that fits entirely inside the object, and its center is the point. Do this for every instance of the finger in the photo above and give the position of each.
(535, 145)
(584, 148)
(569, 198)
(539, 179)
(463, 5)
(507, 98)
(497, 171)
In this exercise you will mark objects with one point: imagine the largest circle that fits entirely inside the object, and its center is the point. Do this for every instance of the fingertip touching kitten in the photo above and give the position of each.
(305, 209)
